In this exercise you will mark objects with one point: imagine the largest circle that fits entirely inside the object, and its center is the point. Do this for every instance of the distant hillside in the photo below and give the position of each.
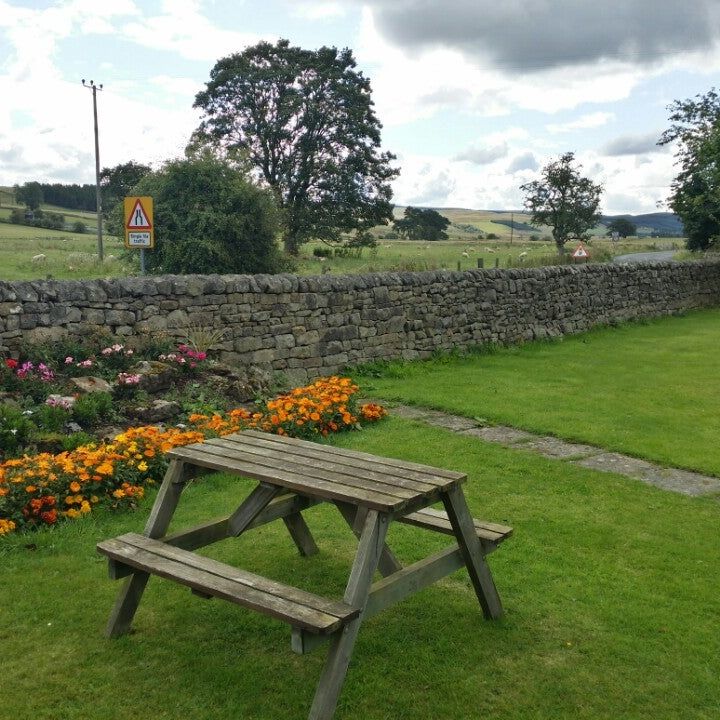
(664, 224)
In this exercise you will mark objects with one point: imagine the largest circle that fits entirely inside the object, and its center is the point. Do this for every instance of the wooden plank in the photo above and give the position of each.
(297, 483)
(480, 575)
(250, 508)
(331, 680)
(355, 518)
(490, 534)
(209, 565)
(214, 530)
(412, 579)
(317, 456)
(301, 535)
(357, 455)
(130, 595)
(393, 464)
(311, 473)
(283, 602)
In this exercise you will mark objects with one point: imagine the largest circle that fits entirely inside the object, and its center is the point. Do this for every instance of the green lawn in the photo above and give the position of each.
(650, 390)
(609, 586)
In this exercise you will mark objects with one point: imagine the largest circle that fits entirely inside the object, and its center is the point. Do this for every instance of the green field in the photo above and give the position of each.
(74, 256)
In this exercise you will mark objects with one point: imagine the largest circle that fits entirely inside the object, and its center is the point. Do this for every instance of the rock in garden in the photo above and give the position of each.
(154, 375)
(157, 411)
(90, 384)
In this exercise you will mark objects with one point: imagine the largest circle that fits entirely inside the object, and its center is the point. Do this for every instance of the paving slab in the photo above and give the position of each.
(553, 447)
(683, 481)
(617, 463)
(500, 434)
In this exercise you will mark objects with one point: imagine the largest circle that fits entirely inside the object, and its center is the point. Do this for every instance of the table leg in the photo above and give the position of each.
(372, 540)
(131, 593)
(301, 535)
(251, 507)
(355, 518)
(480, 575)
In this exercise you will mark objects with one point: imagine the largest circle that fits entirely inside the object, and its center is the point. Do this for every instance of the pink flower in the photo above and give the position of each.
(69, 360)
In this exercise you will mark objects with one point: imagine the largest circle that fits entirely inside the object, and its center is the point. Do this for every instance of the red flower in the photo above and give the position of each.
(12, 364)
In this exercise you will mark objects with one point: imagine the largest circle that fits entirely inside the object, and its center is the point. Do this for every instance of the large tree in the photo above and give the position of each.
(695, 192)
(624, 227)
(208, 218)
(564, 200)
(117, 183)
(304, 119)
(422, 224)
(30, 195)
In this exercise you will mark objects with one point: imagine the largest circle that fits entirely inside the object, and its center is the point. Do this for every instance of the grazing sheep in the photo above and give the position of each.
(490, 250)
(522, 254)
(38, 259)
(464, 254)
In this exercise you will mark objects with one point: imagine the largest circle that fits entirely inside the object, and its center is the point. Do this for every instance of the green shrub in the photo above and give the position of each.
(79, 227)
(52, 417)
(325, 252)
(15, 430)
(93, 407)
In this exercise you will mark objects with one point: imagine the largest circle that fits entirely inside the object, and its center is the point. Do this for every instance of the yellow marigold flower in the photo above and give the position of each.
(118, 493)
(142, 466)
(85, 507)
(74, 486)
(105, 469)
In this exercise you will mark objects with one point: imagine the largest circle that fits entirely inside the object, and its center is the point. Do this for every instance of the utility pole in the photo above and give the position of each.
(92, 86)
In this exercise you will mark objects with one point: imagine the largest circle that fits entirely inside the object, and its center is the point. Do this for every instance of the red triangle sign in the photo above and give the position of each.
(580, 252)
(138, 219)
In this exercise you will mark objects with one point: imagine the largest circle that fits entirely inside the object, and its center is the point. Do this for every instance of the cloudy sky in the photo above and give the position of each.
(475, 95)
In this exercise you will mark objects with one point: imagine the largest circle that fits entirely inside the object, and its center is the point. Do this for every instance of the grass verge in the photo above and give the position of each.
(648, 389)
(609, 588)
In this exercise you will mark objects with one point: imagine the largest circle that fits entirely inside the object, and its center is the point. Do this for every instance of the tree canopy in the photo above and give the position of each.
(695, 192)
(209, 218)
(304, 120)
(422, 224)
(622, 226)
(30, 194)
(117, 182)
(563, 200)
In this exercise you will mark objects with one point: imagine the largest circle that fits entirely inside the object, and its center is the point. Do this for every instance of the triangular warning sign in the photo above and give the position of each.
(138, 218)
(580, 252)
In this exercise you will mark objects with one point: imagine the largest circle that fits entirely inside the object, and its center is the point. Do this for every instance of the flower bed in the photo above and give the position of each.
(43, 489)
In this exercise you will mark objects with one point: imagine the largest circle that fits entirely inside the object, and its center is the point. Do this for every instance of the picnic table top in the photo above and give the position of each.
(323, 471)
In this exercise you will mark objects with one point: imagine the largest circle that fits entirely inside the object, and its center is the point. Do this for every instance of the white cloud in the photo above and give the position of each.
(318, 10)
(584, 122)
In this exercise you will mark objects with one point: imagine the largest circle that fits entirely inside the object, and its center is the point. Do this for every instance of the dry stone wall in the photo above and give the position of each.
(309, 326)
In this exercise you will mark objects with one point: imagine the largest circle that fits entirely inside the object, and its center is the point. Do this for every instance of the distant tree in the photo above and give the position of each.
(563, 200)
(422, 224)
(305, 121)
(622, 226)
(695, 192)
(209, 218)
(117, 183)
(30, 195)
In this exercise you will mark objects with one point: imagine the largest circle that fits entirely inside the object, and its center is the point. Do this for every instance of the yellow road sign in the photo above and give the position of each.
(139, 229)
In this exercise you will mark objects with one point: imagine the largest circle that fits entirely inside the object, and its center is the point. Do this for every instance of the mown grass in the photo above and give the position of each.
(609, 586)
(648, 389)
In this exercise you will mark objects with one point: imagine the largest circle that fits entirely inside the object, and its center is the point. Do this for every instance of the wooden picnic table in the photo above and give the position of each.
(292, 475)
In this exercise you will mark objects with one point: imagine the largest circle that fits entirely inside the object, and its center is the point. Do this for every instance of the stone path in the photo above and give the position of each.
(589, 456)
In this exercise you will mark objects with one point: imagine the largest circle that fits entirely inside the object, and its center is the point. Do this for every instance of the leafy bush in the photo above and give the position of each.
(92, 408)
(210, 218)
(15, 429)
(325, 252)
(79, 227)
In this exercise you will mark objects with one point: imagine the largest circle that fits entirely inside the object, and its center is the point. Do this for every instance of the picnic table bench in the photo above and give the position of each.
(292, 475)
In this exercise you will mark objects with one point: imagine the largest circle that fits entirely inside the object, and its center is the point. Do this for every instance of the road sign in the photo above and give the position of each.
(139, 231)
(580, 252)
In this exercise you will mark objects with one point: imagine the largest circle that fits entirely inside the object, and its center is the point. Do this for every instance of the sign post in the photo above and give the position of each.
(139, 229)
(580, 253)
